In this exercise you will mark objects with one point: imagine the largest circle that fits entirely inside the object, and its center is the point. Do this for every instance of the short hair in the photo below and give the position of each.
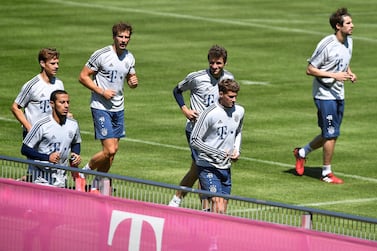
(217, 51)
(53, 95)
(120, 27)
(338, 17)
(226, 85)
(47, 53)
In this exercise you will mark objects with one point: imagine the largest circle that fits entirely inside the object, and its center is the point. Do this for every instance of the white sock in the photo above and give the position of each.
(326, 169)
(306, 150)
(86, 167)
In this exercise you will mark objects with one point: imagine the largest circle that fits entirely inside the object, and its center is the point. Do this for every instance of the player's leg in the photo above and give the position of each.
(328, 151)
(219, 204)
(105, 160)
(188, 180)
(332, 115)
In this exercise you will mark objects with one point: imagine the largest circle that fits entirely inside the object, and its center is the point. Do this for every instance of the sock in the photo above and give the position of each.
(177, 199)
(305, 150)
(86, 167)
(326, 169)
(95, 182)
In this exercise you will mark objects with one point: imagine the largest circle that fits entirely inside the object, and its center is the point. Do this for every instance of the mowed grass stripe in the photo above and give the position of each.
(274, 163)
(254, 23)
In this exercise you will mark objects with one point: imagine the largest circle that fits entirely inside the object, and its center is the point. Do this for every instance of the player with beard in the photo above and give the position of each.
(53, 139)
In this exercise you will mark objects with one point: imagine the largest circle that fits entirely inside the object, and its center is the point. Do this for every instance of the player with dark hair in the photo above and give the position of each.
(203, 92)
(330, 67)
(104, 74)
(53, 139)
(217, 139)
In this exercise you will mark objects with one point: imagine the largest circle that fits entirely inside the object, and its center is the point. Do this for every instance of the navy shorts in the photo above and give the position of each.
(108, 125)
(215, 180)
(330, 116)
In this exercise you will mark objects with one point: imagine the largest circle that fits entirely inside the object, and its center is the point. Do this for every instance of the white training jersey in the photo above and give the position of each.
(34, 97)
(333, 56)
(216, 134)
(48, 136)
(111, 73)
(203, 89)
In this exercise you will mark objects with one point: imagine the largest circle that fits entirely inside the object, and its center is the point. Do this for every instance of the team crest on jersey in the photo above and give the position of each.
(212, 188)
(70, 134)
(236, 118)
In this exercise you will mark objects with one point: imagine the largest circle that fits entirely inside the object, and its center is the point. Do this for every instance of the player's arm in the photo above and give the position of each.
(20, 116)
(189, 114)
(339, 76)
(31, 153)
(86, 80)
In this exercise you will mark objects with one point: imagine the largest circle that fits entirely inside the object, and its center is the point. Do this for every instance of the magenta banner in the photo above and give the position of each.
(35, 217)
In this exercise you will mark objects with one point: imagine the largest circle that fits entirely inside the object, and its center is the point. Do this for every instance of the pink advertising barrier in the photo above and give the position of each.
(35, 217)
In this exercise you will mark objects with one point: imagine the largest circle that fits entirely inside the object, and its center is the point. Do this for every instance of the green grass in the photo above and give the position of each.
(268, 41)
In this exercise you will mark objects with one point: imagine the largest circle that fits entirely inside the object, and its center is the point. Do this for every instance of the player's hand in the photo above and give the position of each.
(75, 160)
(192, 115)
(343, 76)
(353, 77)
(54, 157)
(235, 155)
(108, 94)
(132, 81)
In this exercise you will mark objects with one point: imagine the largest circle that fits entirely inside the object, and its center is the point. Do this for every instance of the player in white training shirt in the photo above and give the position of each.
(217, 139)
(104, 74)
(53, 139)
(330, 67)
(203, 92)
(33, 101)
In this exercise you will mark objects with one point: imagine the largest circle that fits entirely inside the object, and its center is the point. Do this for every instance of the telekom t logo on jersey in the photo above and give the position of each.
(44, 105)
(137, 220)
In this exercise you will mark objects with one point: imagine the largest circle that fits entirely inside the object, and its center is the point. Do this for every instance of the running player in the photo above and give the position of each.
(217, 139)
(330, 67)
(53, 139)
(33, 101)
(203, 92)
(104, 74)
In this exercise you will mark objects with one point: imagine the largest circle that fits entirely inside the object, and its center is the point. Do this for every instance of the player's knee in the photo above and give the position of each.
(110, 152)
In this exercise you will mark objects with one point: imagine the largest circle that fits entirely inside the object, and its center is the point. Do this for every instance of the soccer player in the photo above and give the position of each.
(53, 139)
(330, 67)
(33, 101)
(217, 139)
(203, 92)
(104, 74)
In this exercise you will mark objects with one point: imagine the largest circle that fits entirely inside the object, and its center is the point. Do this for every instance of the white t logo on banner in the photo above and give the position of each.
(136, 226)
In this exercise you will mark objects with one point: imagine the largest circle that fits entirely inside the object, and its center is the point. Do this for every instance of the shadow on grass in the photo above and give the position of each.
(313, 172)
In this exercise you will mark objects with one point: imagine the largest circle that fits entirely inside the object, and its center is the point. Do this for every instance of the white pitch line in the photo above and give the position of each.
(268, 162)
(246, 23)
(329, 203)
(318, 204)
(249, 82)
